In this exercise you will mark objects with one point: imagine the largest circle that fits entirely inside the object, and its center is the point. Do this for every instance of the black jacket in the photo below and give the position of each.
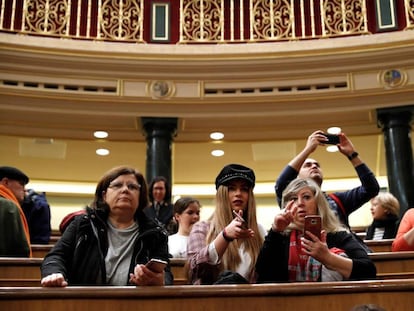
(272, 263)
(390, 226)
(80, 252)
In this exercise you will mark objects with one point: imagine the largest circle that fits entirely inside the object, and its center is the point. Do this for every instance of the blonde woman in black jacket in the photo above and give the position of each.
(288, 256)
(111, 243)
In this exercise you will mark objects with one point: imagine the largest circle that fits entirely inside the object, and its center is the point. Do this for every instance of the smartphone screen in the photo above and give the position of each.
(332, 139)
(156, 265)
(313, 224)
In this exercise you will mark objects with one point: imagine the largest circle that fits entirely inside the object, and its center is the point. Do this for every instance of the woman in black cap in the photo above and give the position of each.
(224, 248)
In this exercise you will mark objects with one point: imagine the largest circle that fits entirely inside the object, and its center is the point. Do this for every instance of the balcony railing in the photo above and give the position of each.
(204, 21)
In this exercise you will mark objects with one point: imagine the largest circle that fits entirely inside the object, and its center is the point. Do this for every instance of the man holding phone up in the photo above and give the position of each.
(342, 203)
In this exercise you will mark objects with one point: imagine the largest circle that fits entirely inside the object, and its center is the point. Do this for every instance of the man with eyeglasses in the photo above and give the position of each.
(14, 231)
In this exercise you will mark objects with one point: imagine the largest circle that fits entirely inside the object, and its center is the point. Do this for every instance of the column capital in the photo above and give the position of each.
(154, 125)
(395, 116)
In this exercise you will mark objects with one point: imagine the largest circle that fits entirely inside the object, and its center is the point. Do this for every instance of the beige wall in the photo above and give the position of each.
(266, 209)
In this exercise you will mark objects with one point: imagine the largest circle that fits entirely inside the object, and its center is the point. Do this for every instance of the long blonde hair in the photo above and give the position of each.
(222, 216)
(330, 221)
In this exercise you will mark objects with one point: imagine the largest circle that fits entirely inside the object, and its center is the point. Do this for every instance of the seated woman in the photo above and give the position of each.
(186, 214)
(227, 244)
(404, 241)
(287, 256)
(112, 241)
(385, 209)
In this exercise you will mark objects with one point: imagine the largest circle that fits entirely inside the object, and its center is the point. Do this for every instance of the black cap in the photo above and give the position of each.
(235, 171)
(13, 173)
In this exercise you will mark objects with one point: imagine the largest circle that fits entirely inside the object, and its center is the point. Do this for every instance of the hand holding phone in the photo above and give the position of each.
(241, 219)
(156, 265)
(313, 224)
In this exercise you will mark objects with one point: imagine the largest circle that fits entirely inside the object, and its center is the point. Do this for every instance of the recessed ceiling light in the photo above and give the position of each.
(217, 153)
(334, 130)
(332, 149)
(102, 152)
(100, 134)
(216, 135)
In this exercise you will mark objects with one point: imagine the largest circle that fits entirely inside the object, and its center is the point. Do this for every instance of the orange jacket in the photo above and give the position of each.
(406, 224)
(7, 194)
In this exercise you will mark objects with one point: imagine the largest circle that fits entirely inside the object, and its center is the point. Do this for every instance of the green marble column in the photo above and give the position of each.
(159, 133)
(396, 126)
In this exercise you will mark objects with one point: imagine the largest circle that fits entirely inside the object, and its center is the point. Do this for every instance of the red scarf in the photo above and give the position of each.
(302, 268)
(7, 194)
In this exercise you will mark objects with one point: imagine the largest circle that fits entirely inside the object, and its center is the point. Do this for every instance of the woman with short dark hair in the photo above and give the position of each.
(110, 243)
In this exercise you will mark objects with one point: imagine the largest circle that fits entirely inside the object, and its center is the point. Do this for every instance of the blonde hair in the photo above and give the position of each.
(388, 202)
(222, 216)
(330, 221)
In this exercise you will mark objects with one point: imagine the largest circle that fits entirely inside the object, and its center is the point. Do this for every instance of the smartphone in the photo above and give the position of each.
(332, 139)
(313, 224)
(156, 265)
(241, 219)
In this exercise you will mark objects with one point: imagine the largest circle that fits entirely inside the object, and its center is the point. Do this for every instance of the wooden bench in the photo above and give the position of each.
(40, 250)
(26, 271)
(178, 270)
(20, 271)
(53, 239)
(389, 294)
(388, 263)
(379, 245)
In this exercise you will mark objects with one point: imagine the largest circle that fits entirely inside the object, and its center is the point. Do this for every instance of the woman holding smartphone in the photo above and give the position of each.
(112, 241)
(222, 249)
(287, 256)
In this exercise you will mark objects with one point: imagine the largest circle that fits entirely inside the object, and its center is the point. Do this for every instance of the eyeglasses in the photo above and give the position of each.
(119, 185)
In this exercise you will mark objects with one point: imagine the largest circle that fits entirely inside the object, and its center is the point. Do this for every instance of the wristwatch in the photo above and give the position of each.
(353, 155)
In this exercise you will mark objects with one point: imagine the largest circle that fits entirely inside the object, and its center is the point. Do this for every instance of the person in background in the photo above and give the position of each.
(385, 209)
(186, 214)
(37, 212)
(112, 241)
(404, 241)
(287, 256)
(224, 248)
(14, 230)
(342, 203)
(160, 207)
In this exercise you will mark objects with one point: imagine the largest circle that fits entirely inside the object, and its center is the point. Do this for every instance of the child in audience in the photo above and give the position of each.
(227, 244)
(404, 241)
(385, 209)
(186, 213)
(287, 256)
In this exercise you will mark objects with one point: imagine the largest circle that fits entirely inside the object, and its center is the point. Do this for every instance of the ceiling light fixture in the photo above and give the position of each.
(102, 152)
(332, 149)
(217, 153)
(100, 134)
(216, 135)
(335, 130)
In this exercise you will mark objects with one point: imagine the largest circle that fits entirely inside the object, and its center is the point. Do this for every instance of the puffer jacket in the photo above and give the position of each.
(80, 253)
